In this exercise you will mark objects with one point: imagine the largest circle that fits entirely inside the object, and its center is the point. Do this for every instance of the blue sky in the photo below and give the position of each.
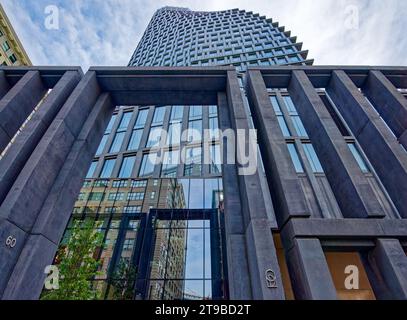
(106, 32)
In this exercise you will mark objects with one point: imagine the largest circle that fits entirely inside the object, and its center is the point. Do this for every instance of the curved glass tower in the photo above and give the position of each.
(181, 37)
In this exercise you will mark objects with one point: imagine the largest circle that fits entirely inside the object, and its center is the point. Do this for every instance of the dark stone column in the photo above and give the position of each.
(18, 103)
(385, 154)
(238, 268)
(23, 203)
(27, 279)
(309, 272)
(389, 102)
(4, 85)
(259, 240)
(354, 193)
(387, 270)
(287, 194)
(19, 152)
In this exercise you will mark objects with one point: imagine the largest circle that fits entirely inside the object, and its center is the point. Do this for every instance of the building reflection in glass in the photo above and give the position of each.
(162, 237)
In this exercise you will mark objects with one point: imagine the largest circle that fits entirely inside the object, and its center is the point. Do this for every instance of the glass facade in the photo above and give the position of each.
(179, 221)
(138, 191)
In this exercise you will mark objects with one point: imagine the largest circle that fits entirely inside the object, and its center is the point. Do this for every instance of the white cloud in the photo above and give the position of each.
(107, 32)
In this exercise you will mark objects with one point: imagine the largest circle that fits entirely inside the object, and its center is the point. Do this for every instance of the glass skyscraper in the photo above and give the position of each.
(181, 37)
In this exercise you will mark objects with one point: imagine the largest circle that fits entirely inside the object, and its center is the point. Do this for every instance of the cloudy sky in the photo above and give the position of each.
(106, 32)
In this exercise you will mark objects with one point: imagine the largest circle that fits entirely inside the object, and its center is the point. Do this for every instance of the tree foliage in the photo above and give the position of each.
(122, 282)
(78, 264)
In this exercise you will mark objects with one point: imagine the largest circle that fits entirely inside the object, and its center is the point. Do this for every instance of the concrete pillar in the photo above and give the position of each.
(4, 85)
(19, 152)
(238, 268)
(385, 154)
(387, 270)
(352, 189)
(23, 203)
(389, 102)
(309, 272)
(287, 195)
(18, 103)
(259, 240)
(27, 279)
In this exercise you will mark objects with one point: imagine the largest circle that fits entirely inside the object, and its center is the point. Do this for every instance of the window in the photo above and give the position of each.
(174, 134)
(215, 158)
(294, 59)
(358, 157)
(117, 142)
(5, 46)
(147, 164)
(158, 118)
(116, 196)
(135, 196)
(107, 169)
(193, 161)
(312, 158)
(101, 183)
(121, 131)
(213, 128)
(194, 130)
(110, 209)
(108, 130)
(176, 114)
(125, 121)
(295, 158)
(170, 164)
(119, 184)
(110, 124)
(154, 137)
(283, 126)
(298, 125)
(195, 112)
(280, 116)
(128, 244)
(135, 139)
(91, 170)
(132, 209)
(96, 196)
(138, 183)
(141, 119)
(87, 184)
(127, 167)
(290, 104)
(13, 58)
(152, 195)
(213, 111)
(102, 144)
(81, 196)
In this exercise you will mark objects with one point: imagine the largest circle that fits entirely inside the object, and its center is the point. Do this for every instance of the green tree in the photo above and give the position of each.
(123, 280)
(77, 264)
